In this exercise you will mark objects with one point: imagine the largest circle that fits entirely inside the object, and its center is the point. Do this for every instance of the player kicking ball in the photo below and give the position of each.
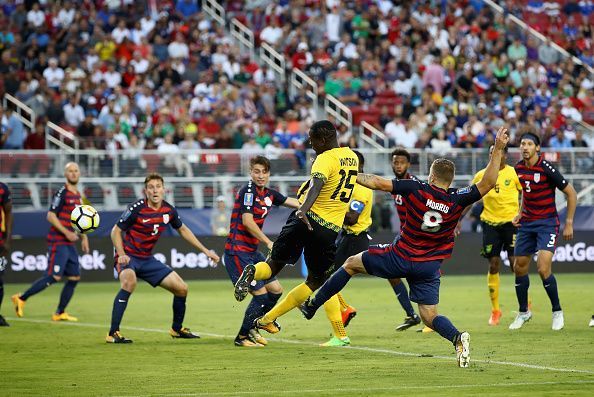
(426, 240)
(143, 222)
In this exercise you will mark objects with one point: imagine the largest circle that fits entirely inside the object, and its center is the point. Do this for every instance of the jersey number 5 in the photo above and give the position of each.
(431, 221)
(345, 186)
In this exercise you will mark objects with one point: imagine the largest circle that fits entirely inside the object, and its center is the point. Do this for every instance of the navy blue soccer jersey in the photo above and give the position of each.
(431, 217)
(4, 199)
(400, 207)
(250, 199)
(143, 226)
(63, 202)
(538, 190)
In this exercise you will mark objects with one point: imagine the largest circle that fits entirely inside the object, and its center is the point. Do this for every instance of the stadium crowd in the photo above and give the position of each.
(127, 76)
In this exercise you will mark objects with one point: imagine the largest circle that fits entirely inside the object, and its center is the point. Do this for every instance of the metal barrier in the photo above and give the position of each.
(372, 136)
(28, 119)
(300, 81)
(215, 10)
(244, 36)
(274, 60)
(336, 109)
(65, 140)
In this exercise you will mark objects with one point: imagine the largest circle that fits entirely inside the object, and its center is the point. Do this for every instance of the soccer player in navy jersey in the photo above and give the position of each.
(62, 255)
(252, 204)
(5, 238)
(538, 224)
(143, 222)
(426, 239)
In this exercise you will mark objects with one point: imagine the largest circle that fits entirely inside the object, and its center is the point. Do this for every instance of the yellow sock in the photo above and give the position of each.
(263, 271)
(294, 298)
(493, 284)
(343, 304)
(332, 307)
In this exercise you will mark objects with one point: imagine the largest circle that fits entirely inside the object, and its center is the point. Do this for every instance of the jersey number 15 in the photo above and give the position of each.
(345, 186)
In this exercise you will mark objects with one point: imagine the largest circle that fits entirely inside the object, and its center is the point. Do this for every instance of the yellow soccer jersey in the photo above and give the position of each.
(361, 203)
(338, 168)
(501, 203)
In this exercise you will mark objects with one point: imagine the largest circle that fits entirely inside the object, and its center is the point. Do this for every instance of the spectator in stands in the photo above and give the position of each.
(36, 140)
(53, 74)
(517, 51)
(74, 114)
(13, 131)
(219, 218)
(547, 54)
(560, 141)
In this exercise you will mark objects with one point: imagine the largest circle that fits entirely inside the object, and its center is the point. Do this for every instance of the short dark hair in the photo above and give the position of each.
(323, 129)
(532, 136)
(444, 170)
(153, 176)
(260, 160)
(401, 152)
(361, 158)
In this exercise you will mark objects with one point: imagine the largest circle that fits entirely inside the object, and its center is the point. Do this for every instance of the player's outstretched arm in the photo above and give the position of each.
(490, 176)
(571, 196)
(312, 194)
(375, 182)
(118, 244)
(291, 203)
(187, 235)
(249, 223)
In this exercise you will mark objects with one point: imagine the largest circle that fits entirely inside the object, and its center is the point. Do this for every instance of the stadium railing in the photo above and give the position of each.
(340, 112)
(274, 60)
(215, 10)
(244, 36)
(372, 136)
(301, 81)
(24, 112)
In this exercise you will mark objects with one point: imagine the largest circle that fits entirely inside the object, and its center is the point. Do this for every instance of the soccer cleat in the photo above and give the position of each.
(337, 342)
(558, 321)
(409, 321)
(19, 305)
(246, 342)
(347, 315)
(242, 286)
(463, 349)
(257, 338)
(271, 328)
(183, 333)
(425, 330)
(116, 337)
(591, 322)
(495, 317)
(521, 318)
(308, 311)
(63, 317)
(3, 322)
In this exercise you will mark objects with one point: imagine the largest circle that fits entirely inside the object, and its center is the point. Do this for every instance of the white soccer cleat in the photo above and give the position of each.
(558, 320)
(521, 318)
(591, 322)
(463, 350)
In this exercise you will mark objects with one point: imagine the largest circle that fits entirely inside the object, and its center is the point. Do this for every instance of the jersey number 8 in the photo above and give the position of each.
(346, 184)
(431, 221)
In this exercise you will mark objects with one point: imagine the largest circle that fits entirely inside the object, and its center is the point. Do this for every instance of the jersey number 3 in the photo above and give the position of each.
(345, 186)
(431, 221)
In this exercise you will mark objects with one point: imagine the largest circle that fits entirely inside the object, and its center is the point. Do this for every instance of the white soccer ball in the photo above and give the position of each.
(84, 219)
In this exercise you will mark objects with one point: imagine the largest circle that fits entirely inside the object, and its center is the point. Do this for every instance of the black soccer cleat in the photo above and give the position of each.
(242, 286)
(307, 310)
(116, 337)
(183, 333)
(410, 321)
(3, 322)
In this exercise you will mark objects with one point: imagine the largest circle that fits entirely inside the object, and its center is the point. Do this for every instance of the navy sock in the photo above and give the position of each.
(119, 306)
(272, 299)
(331, 287)
(66, 295)
(522, 285)
(179, 312)
(550, 285)
(38, 286)
(445, 328)
(257, 307)
(402, 295)
(1, 292)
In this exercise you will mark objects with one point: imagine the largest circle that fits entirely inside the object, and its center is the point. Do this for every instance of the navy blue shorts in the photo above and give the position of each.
(423, 277)
(235, 263)
(535, 236)
(148, 269)
(62, 260)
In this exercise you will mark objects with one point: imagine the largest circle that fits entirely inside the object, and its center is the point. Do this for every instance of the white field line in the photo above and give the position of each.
(298, 342)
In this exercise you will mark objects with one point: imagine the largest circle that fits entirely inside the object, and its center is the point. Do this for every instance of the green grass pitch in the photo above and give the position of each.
(38, 357)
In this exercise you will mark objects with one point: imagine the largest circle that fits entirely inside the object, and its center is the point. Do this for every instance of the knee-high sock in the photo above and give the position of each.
(403, 298)
(332, 307)
(294, 298)
(119, 306)
(66, 295)
(331, 287)
(263, 271)
(522, 285)
(343, 304)
(1, 290)
(493, 284)
(253, 311)
(550, 285)
(179, 312)
(445, 328)
(38, 286)
(272, 299)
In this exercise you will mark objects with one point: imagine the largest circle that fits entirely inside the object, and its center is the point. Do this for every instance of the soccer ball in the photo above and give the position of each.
(84, 219)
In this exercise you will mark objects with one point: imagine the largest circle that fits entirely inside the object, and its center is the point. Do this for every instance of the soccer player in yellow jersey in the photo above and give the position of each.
(352, 239)
(501, 205)
(312, 228)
